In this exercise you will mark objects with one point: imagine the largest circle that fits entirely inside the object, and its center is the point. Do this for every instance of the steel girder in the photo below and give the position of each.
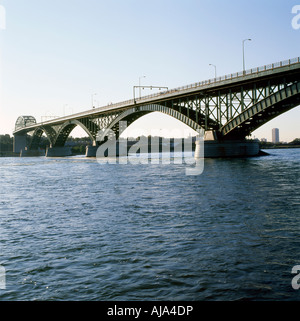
(262, 111)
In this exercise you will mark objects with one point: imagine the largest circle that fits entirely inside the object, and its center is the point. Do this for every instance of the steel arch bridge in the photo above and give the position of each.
(232, 106)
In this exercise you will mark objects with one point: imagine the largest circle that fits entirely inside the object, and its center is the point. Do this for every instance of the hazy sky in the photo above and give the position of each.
(56, 54)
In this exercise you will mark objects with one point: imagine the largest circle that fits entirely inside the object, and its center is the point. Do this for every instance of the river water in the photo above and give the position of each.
(74, 229)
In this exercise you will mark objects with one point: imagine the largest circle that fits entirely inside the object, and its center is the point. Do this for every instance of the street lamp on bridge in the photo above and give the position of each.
(92, 98)
(140, 83)
(244, 53)
(215, 69)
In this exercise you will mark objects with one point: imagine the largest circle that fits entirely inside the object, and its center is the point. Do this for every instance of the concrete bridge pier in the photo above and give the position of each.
(91, 151)
(214, 148)
(58, 151)
(241, 148)
(20, 143)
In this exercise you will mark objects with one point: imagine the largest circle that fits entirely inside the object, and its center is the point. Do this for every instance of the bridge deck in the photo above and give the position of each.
(224, 82)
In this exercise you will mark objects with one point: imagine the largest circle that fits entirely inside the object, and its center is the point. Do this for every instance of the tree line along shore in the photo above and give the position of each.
(78, 145)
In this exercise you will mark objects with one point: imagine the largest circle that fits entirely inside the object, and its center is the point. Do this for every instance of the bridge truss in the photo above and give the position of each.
(232, 106)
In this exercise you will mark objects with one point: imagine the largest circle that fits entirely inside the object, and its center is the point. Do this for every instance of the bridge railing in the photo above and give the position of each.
(229, 76)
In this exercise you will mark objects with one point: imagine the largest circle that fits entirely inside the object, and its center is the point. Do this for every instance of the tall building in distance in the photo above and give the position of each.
(275, 135)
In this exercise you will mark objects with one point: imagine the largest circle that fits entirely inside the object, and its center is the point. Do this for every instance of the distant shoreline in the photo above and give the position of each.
(9, 154)
(279, 146)
(12, 154)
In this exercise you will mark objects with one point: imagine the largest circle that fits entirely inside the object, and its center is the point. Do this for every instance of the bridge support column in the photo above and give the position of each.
(215, 148)
(210, 135)
(91, 151)
(58, 151)
(244, 148)
(19, 143)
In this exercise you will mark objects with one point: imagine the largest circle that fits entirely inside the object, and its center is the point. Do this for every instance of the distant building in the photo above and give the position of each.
(275, 135)
(264, 140)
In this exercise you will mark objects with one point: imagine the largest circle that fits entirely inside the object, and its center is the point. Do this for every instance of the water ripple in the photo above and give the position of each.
(72, 229)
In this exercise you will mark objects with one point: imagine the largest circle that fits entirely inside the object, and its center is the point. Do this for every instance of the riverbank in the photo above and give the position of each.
(9, 154)
(80, 150)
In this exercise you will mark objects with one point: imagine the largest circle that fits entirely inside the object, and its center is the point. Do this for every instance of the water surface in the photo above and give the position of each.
(72, 229)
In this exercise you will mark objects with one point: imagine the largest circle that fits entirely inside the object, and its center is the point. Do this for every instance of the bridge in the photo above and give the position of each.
(227, 108)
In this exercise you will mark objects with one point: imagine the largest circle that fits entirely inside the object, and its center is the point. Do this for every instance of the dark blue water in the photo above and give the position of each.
(72, 229)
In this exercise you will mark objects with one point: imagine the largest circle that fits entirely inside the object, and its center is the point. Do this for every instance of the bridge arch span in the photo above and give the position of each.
(66, 128)
(37, 135)
(263, 111)
(132, 114)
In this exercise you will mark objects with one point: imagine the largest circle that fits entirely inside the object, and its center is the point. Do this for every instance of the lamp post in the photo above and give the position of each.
(140, 83)
(93, 99)
(215, 69)
(244, 53)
